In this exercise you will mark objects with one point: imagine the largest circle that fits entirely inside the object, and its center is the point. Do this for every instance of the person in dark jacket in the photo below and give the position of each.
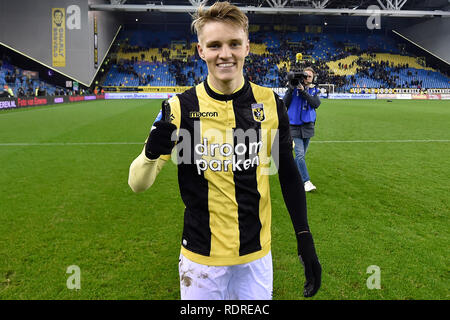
(302, 102)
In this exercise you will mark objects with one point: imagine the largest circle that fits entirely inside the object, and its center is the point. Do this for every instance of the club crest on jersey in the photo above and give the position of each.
(258, 112)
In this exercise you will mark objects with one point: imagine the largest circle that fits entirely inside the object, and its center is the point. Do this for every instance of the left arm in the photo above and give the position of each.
(295, 199)
(143, 172)
(290, 179)
(293, 191)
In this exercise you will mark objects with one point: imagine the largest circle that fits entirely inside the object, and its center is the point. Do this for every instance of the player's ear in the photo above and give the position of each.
(200, 51)
(247, 47)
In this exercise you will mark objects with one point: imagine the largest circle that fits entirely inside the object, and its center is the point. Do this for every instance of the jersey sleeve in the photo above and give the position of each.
(143, 171)
(290, 180)
(284, 134)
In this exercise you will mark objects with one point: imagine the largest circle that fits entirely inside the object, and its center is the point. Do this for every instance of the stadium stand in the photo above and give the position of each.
(147, 58)
(23, 83)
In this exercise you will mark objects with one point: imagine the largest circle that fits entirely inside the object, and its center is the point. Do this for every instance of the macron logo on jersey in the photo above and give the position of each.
(198, 114)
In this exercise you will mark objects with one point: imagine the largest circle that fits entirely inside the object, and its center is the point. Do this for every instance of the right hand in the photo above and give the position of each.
(160, 140)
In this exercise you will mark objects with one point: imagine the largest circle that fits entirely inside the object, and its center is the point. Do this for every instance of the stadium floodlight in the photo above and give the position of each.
(198, 3)
(320, 4)
(392, 4)
(277, 3)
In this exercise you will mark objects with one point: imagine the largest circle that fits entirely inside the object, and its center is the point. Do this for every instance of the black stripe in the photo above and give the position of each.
(193, 187)
(246, 184)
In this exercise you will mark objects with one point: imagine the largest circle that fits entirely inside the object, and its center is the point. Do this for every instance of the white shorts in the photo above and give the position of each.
(248, 281)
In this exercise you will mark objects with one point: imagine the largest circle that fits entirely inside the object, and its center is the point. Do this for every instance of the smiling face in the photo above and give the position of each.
(223, 46)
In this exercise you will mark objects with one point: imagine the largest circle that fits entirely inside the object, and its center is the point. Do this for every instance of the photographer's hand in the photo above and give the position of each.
(301, 87)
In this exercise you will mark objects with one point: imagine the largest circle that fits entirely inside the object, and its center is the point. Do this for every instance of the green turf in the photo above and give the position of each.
(378, 203)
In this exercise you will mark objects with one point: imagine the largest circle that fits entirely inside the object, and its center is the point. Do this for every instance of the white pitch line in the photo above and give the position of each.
(378, 141)
(20, 144)
(26, 144)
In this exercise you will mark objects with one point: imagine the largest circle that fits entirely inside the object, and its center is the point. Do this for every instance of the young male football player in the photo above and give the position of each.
(226, 130)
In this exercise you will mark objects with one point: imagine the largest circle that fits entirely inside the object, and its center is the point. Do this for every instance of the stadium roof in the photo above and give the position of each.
(392, 8)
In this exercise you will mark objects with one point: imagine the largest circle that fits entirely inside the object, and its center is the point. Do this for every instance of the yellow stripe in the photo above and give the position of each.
(221, 192)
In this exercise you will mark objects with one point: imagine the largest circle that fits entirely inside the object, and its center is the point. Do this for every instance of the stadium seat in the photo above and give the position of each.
(272, 54)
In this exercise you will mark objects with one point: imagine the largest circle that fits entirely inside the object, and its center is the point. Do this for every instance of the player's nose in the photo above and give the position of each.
(225, 52)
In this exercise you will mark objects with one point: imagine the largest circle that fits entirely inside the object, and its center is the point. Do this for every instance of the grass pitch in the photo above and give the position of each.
(381, 170)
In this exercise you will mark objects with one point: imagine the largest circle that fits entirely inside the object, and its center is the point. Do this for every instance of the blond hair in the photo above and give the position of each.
(220, 12)
(310, 69)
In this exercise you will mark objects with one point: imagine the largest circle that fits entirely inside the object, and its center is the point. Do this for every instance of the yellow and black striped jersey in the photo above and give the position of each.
(223, 158)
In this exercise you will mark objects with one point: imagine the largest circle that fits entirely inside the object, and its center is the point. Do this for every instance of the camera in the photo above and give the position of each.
(295, 78)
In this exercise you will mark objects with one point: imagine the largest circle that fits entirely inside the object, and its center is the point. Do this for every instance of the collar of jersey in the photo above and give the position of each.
(216, 94)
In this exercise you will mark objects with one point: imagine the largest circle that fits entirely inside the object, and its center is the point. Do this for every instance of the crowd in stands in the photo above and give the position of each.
(159, 62)
(257, 68)
(378, 71)
(384, 71)
(270, 67)
(15, 82)
(148, 61)
(177, 67)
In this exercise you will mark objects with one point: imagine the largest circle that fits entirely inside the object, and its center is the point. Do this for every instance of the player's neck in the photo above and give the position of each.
(226, 87)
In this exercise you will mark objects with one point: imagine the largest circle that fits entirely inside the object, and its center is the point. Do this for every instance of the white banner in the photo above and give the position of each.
(351, 96)
(139, 95)
(386, 96)
(404, 96)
